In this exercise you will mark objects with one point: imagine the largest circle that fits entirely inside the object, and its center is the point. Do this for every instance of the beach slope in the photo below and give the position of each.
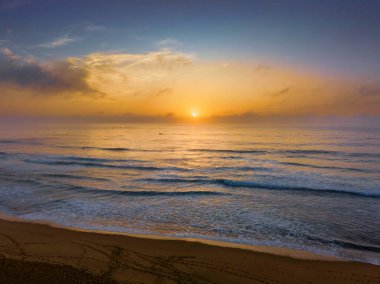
(44, 254)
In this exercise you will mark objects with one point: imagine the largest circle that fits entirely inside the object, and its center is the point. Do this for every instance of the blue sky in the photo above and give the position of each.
(335, 37)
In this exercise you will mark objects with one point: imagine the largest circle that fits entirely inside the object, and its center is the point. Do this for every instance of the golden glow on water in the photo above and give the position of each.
(231, 182)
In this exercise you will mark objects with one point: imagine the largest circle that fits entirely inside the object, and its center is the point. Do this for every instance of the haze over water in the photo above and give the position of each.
(316, 189)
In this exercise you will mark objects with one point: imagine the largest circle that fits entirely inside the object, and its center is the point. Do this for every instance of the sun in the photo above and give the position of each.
(194, 114)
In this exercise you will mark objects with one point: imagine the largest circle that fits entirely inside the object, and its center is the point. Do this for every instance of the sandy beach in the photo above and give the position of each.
(37, 253)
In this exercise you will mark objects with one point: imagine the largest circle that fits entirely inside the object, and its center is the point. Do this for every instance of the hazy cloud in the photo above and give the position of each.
(58, 76)
(133, 75)
(14, 4)
(158, 82)
(282, 92)
(162, 92)
(371, 90)
(61, 41)
(95, 28)
(163, 57)
(262, 67)
(168, 43)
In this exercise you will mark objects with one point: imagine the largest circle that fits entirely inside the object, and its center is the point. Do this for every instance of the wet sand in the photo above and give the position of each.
(36, 253)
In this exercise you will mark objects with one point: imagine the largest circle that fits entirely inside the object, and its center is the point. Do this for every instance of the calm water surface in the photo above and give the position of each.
(313, 189)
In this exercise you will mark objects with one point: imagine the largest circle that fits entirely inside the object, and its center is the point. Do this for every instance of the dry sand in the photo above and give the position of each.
(36, 253)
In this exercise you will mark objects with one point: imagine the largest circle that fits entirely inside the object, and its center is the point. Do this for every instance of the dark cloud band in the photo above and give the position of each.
(60, 76)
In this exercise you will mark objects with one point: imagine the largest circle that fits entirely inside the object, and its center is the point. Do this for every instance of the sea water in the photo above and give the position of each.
(315, 189)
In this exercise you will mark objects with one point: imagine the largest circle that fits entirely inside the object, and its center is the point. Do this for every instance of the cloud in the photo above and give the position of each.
(54, 77)
(370, 90)
(241, 117)
(163, 58)
(141, 75)
(6, 52)
(61, 41)
(262, 68)
(74, 33)
(282, 92)
(115, 74)
(168, 43)
(94, 28)
(162, 92)
(15, 4)
(168, 81)
(172, 81)
(301, 120)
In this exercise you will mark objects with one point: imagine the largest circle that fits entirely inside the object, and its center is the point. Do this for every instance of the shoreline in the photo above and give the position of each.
(37, 250)
(279, 251)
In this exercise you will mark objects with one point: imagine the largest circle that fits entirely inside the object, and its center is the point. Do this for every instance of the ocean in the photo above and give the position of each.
(314, 189)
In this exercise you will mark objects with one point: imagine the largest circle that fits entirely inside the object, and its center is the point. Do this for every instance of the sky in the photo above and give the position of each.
(189, 59)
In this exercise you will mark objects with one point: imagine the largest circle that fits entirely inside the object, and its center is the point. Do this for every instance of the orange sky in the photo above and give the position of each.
(167, 82)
